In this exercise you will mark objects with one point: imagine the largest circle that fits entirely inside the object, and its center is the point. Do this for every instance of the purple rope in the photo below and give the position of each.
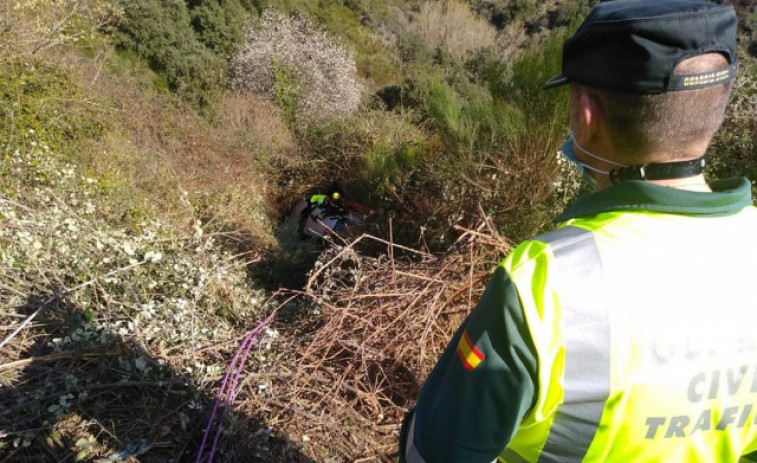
(232, 391)
(218, 398)
(245, 346)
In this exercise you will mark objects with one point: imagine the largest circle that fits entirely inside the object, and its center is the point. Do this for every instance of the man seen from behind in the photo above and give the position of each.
(627, 334)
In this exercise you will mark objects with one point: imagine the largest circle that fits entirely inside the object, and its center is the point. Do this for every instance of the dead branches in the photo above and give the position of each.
(385, 321)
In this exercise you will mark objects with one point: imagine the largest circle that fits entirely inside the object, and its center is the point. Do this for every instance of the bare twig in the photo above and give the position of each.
(384, 323)
(86, 354)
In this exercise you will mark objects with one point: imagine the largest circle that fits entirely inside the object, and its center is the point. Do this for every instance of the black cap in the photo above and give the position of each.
(632, 46)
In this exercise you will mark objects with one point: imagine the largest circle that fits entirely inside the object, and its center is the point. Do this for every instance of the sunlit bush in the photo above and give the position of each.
(219, 25)
(161, 32)
(452, 25)
(310, 74)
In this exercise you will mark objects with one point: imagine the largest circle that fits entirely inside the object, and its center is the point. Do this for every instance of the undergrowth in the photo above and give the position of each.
(124, 272)
(139, 198)
(145, 299)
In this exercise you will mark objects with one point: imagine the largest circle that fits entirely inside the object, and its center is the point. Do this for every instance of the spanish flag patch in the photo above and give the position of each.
(468, 352)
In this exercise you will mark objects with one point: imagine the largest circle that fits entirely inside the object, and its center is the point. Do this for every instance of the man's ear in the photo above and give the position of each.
(588, 114)
(584, 112)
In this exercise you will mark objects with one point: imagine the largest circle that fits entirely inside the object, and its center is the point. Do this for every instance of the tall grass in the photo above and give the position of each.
(545, 111)
(498, 145)
(473, 126)
(452, 25)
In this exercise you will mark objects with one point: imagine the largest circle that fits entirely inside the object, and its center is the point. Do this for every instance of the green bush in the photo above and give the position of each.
(545, 109)
(47, 107)
(219, 25)
(503, 12)
(497, 135)
(473, 126)
(387, 164)
(161, 32)
(286, 92)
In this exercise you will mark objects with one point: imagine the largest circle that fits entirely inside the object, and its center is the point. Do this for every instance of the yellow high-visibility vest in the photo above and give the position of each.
(644, 326)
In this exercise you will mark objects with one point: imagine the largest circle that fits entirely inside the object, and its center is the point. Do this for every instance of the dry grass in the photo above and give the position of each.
(163, 156)
(106, 333)
(255, 119)
(354, 370)
(453, 25)
(31, 27)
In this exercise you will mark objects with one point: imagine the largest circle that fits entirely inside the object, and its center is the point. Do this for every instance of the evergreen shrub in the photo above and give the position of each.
(161, 32)
(219, 25)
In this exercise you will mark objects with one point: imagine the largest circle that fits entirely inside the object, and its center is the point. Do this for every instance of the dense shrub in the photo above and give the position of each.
(368, 26)
(161, 32)
(498, 139)
(299, 65)
(566, 14)
(472, 126)
(370, 151)
(219, 25)
(47, 108)
(503, 12)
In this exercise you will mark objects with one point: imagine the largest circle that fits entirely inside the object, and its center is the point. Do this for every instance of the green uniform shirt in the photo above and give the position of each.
(474, 400)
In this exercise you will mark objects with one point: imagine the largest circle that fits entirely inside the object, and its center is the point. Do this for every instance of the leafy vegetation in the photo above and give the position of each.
(187, 47)
(219, 25)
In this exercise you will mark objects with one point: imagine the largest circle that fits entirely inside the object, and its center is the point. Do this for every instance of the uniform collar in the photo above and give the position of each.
(728, 196)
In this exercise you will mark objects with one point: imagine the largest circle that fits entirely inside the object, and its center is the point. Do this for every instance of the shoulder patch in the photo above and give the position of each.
(468, 353)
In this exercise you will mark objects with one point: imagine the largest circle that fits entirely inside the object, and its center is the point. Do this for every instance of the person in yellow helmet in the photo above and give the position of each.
(626, 334)
(322, 213)
(322, 205)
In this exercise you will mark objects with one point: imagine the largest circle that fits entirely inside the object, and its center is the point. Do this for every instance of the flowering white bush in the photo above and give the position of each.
(165, 286)
(292, 60)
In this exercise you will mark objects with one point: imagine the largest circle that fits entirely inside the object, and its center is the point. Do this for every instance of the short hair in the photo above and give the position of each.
(639, 124)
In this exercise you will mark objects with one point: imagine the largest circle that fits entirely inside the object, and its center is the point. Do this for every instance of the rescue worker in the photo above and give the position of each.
(627, 334)
(323, 214)
(326, 205)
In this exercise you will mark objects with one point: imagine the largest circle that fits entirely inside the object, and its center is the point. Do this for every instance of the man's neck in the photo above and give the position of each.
(695, 183)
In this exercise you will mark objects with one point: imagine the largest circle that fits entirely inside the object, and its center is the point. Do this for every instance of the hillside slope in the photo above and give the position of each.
(149, 150)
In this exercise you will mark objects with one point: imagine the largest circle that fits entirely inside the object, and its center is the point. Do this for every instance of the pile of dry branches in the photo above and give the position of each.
(382, 324)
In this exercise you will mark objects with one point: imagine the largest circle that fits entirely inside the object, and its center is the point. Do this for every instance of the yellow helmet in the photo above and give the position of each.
(335, 196)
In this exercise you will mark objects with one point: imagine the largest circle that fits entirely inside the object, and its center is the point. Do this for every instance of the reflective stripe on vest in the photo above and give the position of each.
(575, 273)
(586, 329)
